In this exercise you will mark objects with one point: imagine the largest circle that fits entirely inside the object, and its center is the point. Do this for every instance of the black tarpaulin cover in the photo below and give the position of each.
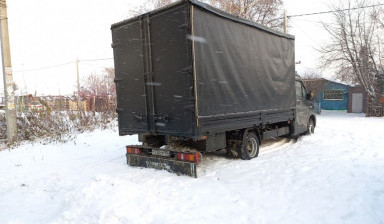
(183, 65)
(239, 67)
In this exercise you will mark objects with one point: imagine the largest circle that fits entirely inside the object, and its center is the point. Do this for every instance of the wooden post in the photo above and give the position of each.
(78, 85)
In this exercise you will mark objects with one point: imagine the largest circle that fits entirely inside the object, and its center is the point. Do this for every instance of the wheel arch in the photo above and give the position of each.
(313, 117)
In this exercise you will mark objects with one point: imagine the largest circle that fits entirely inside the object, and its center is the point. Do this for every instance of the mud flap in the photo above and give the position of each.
(171, 165)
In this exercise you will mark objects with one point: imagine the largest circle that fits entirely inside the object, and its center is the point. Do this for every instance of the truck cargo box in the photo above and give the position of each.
(190, 69)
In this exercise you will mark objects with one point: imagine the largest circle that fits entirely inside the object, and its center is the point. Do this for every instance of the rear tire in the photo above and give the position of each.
(250, 146)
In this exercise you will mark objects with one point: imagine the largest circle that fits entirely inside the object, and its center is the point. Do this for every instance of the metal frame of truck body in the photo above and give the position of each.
(195, 125)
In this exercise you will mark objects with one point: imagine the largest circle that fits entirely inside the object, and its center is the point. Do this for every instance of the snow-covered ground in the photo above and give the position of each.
(333, 176)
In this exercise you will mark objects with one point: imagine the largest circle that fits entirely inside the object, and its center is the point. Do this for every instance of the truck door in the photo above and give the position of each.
(154, 76)
(129, 78)
(171, 73)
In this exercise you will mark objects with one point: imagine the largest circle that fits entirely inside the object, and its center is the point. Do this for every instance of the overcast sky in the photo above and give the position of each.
(51, 32)
(308, 31)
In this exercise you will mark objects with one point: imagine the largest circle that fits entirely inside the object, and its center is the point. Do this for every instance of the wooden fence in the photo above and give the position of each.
(375, 110)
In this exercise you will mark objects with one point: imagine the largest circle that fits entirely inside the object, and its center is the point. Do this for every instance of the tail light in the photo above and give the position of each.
(131, 150)
(196, 157)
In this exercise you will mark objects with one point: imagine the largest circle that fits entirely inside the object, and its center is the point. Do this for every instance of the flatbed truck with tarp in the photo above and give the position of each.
(192, 79)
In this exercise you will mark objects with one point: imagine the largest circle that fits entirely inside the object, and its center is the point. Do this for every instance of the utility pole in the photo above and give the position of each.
(9, 91)
(78, 85)
(285, 21)
(25, 85)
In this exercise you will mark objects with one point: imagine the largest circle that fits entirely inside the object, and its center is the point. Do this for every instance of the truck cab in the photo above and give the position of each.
(305, 121)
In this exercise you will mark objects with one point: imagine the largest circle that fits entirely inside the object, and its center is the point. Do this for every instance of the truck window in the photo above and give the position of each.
(298, 90)
(304, 90)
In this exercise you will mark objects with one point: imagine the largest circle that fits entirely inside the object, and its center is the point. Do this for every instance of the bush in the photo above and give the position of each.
(57, 126)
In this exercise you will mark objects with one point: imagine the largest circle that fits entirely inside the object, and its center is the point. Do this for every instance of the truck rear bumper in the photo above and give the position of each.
(162, 163)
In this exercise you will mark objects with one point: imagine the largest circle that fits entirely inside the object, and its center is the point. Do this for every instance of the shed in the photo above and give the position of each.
(358, 100)
(329, 95)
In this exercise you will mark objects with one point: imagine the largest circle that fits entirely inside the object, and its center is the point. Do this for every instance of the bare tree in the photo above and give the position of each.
(101, 86)
(355, 44)
(310, 75)
(313, 81)
(265, 12)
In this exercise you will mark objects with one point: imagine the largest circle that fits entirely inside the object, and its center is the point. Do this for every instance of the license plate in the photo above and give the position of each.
(161, 153)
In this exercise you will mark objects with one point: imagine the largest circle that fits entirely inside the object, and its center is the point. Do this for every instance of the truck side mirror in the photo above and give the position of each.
(310, 96)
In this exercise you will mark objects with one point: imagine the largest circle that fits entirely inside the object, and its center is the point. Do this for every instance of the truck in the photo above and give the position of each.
(192, 79)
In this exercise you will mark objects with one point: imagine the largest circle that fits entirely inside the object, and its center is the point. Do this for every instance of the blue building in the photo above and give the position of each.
(329, 95)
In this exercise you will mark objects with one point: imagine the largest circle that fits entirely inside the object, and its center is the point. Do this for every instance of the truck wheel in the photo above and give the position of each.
(250, 147)
(311, 126)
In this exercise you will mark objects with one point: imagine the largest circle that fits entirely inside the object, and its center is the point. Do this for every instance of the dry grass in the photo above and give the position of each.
(56, 126)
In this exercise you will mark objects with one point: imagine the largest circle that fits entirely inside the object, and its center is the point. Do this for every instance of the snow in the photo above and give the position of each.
(333, 176)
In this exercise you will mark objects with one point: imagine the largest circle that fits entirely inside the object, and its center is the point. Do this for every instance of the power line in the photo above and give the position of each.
(62, 64)
(92, 65)
(340, 10)
(308, 36)
(47, 67)
(99, 59)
